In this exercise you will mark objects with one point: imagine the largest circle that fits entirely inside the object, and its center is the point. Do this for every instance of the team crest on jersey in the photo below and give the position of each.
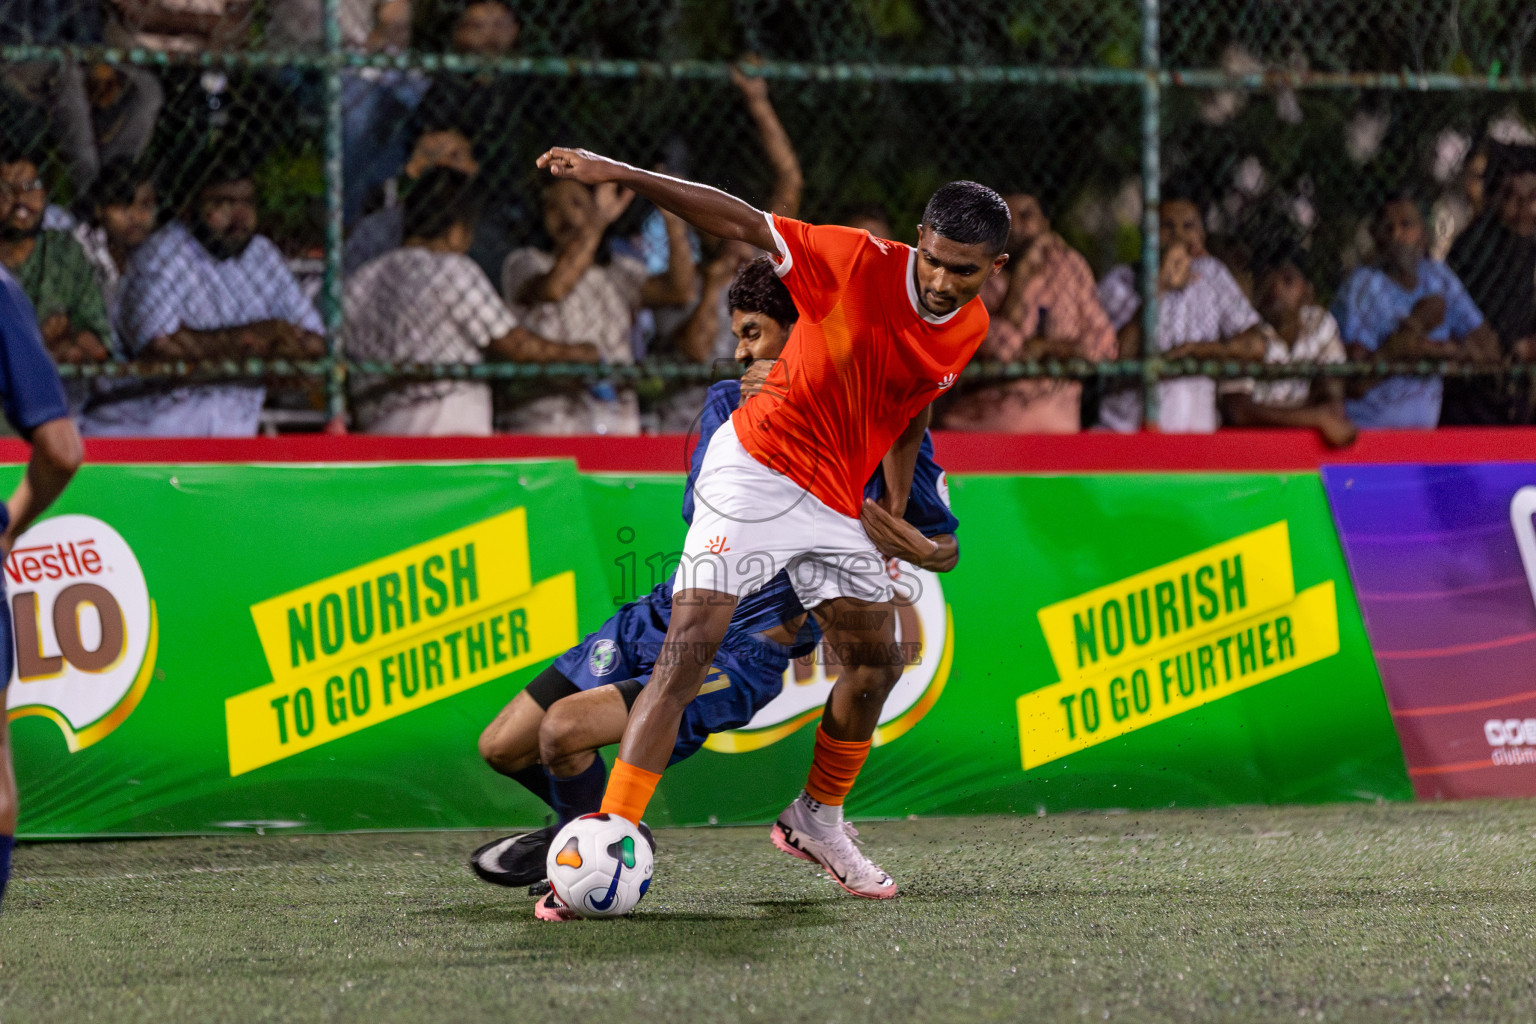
(604, 656)
(948, 380)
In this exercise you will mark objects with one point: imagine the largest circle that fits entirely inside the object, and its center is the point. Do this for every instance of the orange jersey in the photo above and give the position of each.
(863, 360)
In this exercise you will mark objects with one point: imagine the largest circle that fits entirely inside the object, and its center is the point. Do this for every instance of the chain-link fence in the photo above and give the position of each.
(240, 179)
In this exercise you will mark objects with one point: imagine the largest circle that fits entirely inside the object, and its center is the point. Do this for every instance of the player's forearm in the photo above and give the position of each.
(56, 454)
(707, 209)
(900, 462)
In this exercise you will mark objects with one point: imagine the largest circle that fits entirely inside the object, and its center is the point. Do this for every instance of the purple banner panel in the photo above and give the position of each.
(1444, 565)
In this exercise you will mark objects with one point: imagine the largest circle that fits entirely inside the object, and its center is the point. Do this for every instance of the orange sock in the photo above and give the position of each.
(629, 790)
(834, 767)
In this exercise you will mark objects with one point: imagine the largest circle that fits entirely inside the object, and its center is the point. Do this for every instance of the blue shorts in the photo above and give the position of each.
(747, 673)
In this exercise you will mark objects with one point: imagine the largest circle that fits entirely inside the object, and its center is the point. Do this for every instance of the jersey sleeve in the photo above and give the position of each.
(719, 403)
(30, 389)
(815, 262)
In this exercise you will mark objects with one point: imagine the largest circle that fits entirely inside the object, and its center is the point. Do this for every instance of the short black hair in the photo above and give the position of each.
(116, 184)
(222, 168)
(969, 213)
(1277, 253)
(441, 198)
(1394, 197)
(756, 288)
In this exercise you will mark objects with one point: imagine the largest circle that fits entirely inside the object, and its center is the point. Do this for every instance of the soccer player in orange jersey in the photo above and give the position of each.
(884, 329)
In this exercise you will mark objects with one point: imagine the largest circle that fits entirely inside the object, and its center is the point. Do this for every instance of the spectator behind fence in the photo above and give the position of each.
(1296, 330)
(376, 103)
(117, 217)
(427, 302)
(178, 26)
(53, 271)
(95, 112)
(1043, 306)
(384, 228)
(871, 217)
(1201, 314)
(1406, 307)
(583, 291)
(1496, 260)
(206, 286)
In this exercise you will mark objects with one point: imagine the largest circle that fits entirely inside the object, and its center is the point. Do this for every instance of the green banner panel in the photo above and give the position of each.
(206, 648)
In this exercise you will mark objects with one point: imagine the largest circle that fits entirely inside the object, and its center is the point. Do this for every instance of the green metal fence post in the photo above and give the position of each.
(1151, 171)
(336, 374)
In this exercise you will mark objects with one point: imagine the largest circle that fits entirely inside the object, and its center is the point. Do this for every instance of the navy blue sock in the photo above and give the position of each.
(535, 780)
(581, 793)
(6, 842)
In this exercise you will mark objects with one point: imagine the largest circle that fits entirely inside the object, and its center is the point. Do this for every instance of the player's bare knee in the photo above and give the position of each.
(871, 682)
(559, 738)
(499, 750)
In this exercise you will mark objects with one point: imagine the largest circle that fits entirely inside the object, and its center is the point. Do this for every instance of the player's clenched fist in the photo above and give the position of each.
(582, 165)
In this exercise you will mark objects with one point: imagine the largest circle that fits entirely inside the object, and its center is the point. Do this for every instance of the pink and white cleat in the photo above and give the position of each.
(551, 909)
(802, 832)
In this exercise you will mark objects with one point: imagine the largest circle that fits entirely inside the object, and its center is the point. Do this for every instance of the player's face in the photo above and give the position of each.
(949, 273)
(26, 218)
(128, 224)
(758, 335)
(1179, 221)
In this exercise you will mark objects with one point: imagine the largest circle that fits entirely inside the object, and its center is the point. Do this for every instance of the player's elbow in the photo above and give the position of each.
(57, 445)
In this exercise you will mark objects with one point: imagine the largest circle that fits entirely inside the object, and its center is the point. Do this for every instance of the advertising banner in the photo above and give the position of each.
(1444, 561)
(207, 648)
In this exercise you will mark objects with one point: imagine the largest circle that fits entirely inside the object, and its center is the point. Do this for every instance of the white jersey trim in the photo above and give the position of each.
(780, 266)
(917, 307)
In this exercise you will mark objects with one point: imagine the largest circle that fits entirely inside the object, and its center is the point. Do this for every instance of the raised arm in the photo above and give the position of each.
(788, 180)
(707, 209)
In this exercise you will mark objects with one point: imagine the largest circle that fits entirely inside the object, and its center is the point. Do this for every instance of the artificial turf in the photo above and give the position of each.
(1340, 913)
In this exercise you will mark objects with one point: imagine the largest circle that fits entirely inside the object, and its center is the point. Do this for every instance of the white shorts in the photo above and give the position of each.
(749, 522)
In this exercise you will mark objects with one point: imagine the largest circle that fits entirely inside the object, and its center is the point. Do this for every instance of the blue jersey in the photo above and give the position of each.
(31, 395)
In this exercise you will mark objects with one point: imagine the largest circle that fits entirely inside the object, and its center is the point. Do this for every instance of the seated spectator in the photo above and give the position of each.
(1496, 260)
(118, 215)
(206, 286)
(53, 271)
(383, 229)
(1201, 314)
(95, 111)
(1296, 330)
(427, 302)
(582, 291)
(1043, 306)
(1406, 307)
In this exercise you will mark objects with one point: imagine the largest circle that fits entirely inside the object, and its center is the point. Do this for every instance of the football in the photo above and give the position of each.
(600, 865)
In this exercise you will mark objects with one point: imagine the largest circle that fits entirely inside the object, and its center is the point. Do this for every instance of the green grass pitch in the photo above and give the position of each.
(1340, 913)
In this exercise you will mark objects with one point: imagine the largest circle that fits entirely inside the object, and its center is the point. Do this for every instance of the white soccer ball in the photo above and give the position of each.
(600, 865)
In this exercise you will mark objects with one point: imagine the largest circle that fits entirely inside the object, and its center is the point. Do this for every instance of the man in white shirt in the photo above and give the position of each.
(206, 286)
(427, 302)
(1201, 314)
(1296, 331)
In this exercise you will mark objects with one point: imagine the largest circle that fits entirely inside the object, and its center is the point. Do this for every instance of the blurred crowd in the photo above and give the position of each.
(440, 267)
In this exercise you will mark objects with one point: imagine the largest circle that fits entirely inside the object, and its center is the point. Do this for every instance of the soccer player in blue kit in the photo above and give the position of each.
(548, 737)
(33, 400)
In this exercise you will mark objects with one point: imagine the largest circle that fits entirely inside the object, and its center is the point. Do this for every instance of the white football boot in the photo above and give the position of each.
(815, 832)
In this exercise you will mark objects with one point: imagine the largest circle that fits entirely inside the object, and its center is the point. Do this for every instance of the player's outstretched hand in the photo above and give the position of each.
(581, 165)
(892, 537)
